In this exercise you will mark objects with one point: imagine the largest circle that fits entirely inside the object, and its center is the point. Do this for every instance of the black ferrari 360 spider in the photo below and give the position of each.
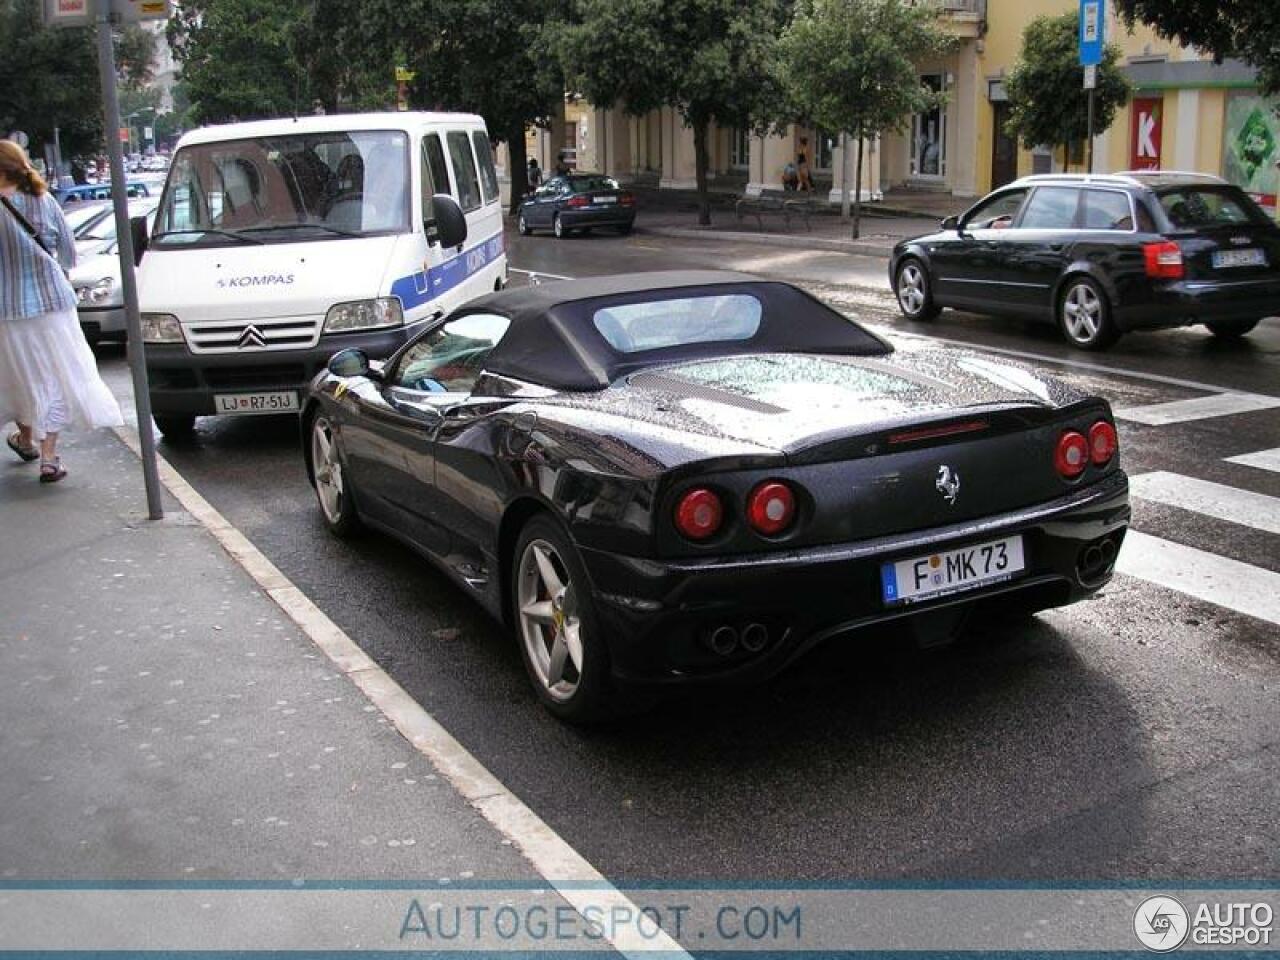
(670, 478)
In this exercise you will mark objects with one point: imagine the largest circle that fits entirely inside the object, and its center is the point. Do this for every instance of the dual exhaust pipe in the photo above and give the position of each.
(1096, 558)
(725, 639)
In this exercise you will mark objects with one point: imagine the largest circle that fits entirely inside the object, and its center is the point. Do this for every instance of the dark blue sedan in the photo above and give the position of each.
(578, 201)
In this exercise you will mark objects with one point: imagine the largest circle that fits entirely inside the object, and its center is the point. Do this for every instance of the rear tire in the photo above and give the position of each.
(523, 226)
(624, 229)
(1231, 329)
(915, 295)
(554, 615)
(1084, 315)
(175, 427)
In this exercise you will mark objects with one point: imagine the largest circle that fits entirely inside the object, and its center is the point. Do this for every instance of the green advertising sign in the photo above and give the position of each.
(1252, 146)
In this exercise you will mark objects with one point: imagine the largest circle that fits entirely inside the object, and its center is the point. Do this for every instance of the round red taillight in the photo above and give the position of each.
(1072, 455)
(771, 508)
(699, 514)
(1102, 442)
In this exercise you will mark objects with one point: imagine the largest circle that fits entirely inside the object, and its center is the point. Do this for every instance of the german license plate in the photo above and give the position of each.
(1239, 258)
(275, 401)
(605, 199)
(951, 571)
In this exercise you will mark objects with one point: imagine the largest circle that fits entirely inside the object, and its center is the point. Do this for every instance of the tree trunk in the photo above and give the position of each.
(517, 165)
(700, 170)
(844, 175)
(857, 189)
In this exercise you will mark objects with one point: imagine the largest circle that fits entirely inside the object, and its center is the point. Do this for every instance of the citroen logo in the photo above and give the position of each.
(252, 337)
(948, 484)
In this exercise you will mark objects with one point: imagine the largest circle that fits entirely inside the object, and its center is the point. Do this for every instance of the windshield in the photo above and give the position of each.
(286, 189)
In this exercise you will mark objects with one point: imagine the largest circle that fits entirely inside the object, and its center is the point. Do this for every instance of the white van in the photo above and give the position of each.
(278, 243)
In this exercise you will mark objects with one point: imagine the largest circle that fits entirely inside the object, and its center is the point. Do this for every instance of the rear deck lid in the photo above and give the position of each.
(1223, 234)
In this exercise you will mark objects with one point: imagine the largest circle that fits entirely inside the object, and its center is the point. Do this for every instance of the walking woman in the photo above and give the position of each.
(48, 377)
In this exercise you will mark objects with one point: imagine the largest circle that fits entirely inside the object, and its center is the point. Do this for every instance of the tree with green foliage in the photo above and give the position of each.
(489, 57)
(849, 65)
(711, 60)
(1248, 29)
(1047, 100)
(49, 77)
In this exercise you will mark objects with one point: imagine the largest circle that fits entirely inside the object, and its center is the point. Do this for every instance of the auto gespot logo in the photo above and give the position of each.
(261, 280)
(1163, 924)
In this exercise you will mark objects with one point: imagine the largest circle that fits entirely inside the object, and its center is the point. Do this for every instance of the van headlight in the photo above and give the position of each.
(96, 294)
(364, 315)
(161, 328)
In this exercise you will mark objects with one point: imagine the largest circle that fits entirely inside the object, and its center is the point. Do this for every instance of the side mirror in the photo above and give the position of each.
(449, 228)
(350, 362)
(951, 223)
(138, 233)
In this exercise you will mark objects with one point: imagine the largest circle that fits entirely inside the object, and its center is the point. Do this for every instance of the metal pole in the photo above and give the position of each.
(124, 244)
(1090, 167)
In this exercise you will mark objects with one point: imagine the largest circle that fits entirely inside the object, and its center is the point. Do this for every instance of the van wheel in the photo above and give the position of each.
(176, 427)
(1084, 315)
(523, 226)
(1230, 329)
(915, 296)
(559, 229)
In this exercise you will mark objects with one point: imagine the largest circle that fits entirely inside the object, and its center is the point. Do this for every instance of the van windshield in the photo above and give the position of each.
(286, 189)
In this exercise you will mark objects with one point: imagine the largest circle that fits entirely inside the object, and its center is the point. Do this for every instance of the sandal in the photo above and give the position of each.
(51, 471)
(27, 453)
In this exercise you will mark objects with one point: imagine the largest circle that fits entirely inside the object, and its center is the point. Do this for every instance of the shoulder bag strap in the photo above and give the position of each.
(26, 225)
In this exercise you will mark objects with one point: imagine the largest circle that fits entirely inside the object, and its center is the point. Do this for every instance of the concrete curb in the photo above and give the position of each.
(797, 241)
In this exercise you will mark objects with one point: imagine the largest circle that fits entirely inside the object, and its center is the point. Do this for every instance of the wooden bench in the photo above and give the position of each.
(772, 204)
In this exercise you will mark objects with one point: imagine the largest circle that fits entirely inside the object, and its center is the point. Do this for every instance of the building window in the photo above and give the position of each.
(739, 148)
(570, 148)
(824, 143)
(929, 134)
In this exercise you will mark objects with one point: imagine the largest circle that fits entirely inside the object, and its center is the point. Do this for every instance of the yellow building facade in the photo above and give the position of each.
(1187, 113)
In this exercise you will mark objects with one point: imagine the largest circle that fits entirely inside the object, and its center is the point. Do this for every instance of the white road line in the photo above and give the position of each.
(1210, 499)
(1206, 576)
(1201, 408)
(1262, 459)
(564, 869)
(1024, 354)
(540, 273)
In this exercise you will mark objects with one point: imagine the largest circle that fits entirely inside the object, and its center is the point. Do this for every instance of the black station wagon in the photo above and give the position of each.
(1101, 255)
(575, 202)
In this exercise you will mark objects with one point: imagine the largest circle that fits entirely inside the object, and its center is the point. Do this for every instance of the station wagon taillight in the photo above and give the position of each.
(626, 199)
(1103, 443)
(699, 514)
(1072, 455)
(577, 201)
(1164, 260)
(771, 507)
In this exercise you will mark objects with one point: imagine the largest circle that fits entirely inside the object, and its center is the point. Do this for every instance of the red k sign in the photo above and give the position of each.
(1144, 139)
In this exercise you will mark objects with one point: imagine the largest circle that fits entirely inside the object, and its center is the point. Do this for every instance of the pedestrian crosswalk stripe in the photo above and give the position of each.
(1206, 576)
(1262, 459)
(1211, 499)
(1201, 408)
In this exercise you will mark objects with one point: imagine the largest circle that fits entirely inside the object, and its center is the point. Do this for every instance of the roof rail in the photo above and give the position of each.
(1082, 178)
(1190, 174)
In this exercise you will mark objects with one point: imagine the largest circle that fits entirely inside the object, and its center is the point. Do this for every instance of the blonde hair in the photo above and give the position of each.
(15, 166)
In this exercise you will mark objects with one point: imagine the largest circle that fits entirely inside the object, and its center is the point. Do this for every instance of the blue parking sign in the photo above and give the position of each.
(1093, 19)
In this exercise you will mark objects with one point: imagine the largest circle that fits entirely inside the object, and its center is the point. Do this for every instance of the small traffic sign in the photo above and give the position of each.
(1091, 77)
(68, 13)
(1093, 31)
(131, 11)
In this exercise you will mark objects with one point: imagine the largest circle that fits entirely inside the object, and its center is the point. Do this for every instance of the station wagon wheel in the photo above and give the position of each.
(523, 225)
(329, 478)
(555, 621)
(1230, 329)
(558, 228)
(1084, 315)
(915, 297)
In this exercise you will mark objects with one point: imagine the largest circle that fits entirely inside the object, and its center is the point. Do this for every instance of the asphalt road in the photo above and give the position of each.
(1133, 736)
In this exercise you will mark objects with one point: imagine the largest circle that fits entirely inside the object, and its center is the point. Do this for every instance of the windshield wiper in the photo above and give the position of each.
(303, 226)
(214, 230)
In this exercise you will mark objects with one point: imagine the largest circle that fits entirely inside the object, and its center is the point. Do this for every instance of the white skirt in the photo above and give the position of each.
(49, 377)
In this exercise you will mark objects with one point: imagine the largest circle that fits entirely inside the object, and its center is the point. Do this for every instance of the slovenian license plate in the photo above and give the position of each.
(951, 571)
(604, 199)
(275, 401)
(1239, 258)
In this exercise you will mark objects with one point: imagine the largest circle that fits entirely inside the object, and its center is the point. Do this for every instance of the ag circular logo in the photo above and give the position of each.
(1161, 923)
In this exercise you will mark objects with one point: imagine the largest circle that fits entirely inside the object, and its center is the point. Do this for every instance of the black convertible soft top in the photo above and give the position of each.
(553, 341)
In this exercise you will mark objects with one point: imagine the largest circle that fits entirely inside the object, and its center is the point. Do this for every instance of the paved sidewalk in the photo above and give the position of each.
(164, 720)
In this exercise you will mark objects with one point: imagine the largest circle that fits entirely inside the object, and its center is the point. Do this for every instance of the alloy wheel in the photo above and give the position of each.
(327, 470)
(550, 624)
(1082, 313)
(911, 289)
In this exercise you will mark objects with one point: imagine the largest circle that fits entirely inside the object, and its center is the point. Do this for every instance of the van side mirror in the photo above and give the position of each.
(951, 223)
(138, 233)
(449, 227)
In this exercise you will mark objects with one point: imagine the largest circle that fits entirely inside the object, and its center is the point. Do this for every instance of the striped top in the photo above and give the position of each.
(31, 281)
